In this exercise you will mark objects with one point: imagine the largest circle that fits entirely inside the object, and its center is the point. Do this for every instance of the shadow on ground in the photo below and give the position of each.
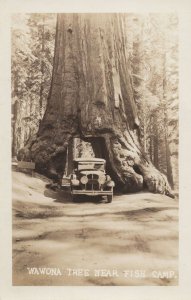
(134, 232)
(64, 196)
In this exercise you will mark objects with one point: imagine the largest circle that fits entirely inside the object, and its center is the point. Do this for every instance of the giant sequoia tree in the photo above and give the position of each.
(91, 97)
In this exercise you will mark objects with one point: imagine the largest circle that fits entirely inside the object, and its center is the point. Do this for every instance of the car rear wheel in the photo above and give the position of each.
(109, 198)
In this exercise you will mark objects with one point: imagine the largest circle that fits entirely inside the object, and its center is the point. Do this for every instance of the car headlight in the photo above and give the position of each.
(101, 179)
(111, 183)
(75, 182)
(84, 179)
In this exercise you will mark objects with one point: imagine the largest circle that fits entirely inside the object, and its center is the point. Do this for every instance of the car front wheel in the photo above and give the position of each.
(109, 198)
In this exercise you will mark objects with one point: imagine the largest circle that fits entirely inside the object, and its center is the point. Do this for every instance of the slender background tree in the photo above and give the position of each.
(33, 39)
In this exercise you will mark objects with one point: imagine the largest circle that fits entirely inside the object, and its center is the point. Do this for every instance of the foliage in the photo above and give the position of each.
(153, 56)
(33, 38)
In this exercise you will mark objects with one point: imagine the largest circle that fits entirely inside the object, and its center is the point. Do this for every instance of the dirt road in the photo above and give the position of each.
(132, 241)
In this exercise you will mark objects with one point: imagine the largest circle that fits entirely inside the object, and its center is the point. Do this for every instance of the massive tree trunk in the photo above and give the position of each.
(91, 96)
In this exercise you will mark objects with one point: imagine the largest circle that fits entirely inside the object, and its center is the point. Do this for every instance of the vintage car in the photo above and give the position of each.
(89, 178)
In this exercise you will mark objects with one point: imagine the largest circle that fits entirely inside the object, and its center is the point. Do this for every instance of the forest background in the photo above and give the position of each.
(153, 60)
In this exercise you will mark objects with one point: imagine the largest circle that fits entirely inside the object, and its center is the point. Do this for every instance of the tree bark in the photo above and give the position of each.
(91, 96)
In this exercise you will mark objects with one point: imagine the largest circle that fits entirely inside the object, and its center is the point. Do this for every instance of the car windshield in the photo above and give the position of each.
(91, 166)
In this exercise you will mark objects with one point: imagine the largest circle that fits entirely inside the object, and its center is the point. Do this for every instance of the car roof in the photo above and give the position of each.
(94, 159)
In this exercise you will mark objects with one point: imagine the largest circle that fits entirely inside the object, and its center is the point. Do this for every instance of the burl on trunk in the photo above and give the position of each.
(91, 96)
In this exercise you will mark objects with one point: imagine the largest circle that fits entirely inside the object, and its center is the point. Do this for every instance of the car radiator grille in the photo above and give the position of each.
(93, 183)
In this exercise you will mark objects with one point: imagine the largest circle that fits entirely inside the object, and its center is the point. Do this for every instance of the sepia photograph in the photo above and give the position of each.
(95, 142)
(95, 103)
